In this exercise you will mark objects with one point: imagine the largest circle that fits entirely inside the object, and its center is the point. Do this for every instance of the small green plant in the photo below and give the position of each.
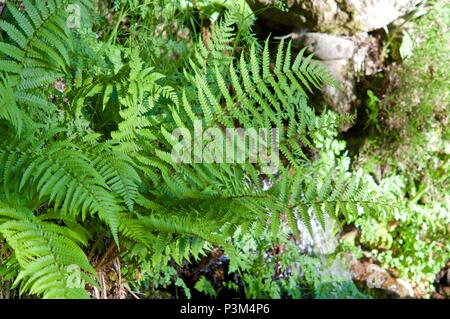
(372, 110)
(203, 285)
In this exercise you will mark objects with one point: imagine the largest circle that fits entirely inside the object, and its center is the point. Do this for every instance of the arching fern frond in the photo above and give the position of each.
(9, 109)
(37, 50)
(45, 252)
(215, 49)
(60, 173)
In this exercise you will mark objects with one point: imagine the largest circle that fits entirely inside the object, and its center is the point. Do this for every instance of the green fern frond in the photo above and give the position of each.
(43, 40)
(9, 110)
(62, 175)
(45, 252)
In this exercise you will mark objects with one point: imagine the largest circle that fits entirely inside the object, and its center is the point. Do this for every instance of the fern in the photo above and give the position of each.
(119, 179)
(39, 49)
(44, 251)
(73, 183)
(257, 99)
(9, 110)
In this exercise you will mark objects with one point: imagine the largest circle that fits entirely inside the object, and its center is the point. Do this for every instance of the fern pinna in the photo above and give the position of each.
(68, 183)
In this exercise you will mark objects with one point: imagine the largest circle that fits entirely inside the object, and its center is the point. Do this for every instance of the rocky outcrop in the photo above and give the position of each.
(376, 277)
(347, 57)
(337, 32)
(336, 16)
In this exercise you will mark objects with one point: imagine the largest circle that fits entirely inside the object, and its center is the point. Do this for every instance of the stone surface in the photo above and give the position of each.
(340, 99)
(337, 32)
(347, 58)
(328, 47)
(336, 16)
(376, 277)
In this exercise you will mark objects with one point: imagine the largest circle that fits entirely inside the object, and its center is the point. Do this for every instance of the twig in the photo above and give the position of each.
(131, 292)
(96, 293)
(101, 263)
(102, 277)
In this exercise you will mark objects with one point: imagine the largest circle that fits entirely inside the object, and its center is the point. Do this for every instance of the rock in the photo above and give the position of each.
(328, 47)
(341, 99)
(364, 50)
(405, 290)
(336, 16)
(336, 53)
(336, 31)
(376, 277)
(349, 237)
(347, 57)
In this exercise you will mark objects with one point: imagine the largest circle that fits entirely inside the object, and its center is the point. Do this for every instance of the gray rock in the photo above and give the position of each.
(328, 47)
(336, 52)
(336, 16)
(404, 289)
(336, 31)
(340, 99)
(376, 277)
